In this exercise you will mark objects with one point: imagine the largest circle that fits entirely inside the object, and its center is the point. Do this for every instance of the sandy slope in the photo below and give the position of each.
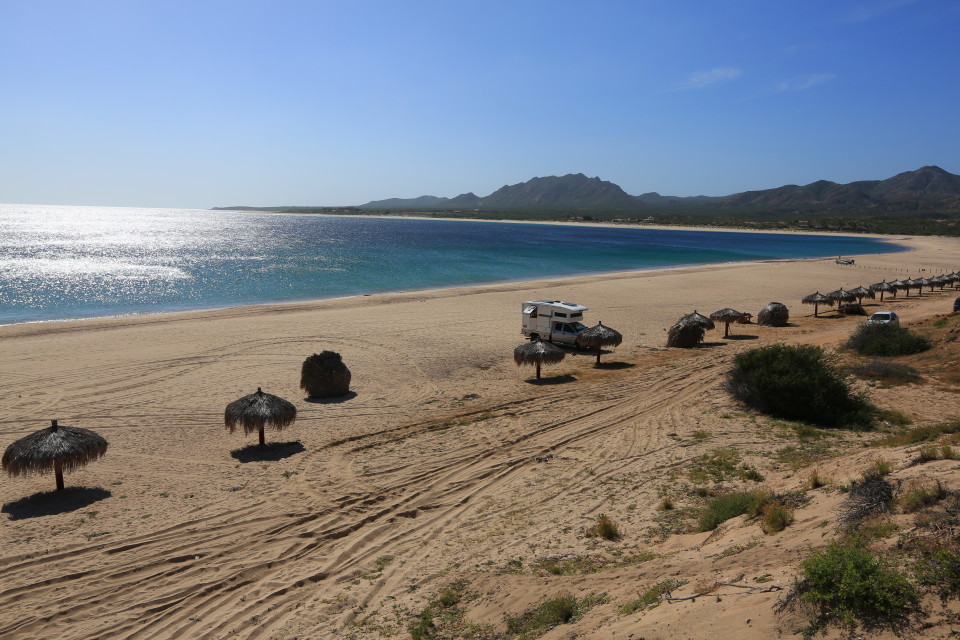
(445, 464)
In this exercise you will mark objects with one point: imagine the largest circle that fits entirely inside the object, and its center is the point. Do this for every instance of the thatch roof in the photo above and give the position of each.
(259, 410)
(685, 333)
(323, 375)
(538, 352)
(863, 292)
(56, 447)
(599, 336)
(699, 319)
(886, 287)
(841, 295)
(774, 314)
(726, 315)
(817, 298)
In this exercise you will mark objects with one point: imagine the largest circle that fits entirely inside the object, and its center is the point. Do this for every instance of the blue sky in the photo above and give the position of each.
(200, 103)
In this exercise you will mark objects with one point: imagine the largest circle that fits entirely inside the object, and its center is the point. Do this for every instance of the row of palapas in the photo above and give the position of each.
(61, 448)
(841, 296)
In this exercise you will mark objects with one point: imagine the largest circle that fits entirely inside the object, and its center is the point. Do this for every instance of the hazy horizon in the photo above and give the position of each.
(176, 104)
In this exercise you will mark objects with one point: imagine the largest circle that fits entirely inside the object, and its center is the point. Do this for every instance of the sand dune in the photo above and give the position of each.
(446, 462)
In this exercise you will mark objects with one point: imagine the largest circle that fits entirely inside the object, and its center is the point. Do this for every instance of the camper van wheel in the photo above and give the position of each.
(534, 337)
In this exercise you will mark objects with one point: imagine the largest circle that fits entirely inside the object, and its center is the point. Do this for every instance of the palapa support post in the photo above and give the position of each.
(538, 370)
(57, 467)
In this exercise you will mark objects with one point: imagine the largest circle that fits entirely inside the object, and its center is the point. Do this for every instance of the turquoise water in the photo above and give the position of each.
(81, 262)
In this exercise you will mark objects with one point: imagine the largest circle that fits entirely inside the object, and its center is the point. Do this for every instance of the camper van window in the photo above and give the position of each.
(576, 315)
(533, 314)
(560, 315)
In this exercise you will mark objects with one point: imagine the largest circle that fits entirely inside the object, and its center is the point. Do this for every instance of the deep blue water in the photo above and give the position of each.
(80, 262)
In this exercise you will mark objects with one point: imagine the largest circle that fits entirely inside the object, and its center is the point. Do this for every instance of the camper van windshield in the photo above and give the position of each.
(578, 326)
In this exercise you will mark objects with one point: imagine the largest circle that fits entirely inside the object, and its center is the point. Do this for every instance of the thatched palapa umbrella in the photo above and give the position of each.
(861, 293)
(925, 282)
(817, 299)
(258, 410)
(884, 287)
(900, 285)
(774, 314)
(323, 375)
(841, 295)
(538, 352)
(698, 318)
(726, 316)
(599, 336)
(57, 448)
(685, 333)
(910, 283)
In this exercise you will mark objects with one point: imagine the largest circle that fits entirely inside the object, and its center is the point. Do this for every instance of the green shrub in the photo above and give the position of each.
(887, 372)
(562, 609)
(423, 626)
(921, 493)
(776, 517)
(605, 528)
(797, 383)
(886, 340)
(815, 480)
(850, 583)
(940, 568)
(731, 505)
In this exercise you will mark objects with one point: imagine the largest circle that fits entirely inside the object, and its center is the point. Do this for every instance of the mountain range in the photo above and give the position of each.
(927, 188)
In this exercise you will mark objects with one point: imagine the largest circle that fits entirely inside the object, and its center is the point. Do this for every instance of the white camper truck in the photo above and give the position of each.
(553, 320)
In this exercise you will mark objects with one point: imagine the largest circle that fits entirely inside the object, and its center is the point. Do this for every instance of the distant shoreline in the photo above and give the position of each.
(587, 223)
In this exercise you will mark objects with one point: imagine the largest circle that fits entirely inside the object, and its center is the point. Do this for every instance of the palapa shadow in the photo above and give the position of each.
(349, 395)
(563, 379)
(614, 365)
(49, 503)
(710, 345)
(740, 337)
(272, 452)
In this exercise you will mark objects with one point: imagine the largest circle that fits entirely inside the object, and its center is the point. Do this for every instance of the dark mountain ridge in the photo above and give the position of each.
(926, 188)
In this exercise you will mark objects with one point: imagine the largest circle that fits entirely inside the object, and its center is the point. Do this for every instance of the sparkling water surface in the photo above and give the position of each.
(60, 262)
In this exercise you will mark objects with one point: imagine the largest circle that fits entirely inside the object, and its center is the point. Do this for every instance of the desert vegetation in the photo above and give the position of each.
(798, 382)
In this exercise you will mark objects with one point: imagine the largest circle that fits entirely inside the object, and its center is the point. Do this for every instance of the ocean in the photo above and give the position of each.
(60, 262)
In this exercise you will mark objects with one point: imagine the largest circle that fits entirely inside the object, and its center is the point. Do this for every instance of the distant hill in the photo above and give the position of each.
(928, 189)
(924, 189)
(572, 191)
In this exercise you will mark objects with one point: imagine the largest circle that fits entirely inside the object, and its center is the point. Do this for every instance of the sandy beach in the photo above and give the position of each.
(445, 463)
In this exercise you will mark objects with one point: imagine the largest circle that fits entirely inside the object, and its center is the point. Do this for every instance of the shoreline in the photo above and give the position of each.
(432, 292)
(591, 223)
(889, 240)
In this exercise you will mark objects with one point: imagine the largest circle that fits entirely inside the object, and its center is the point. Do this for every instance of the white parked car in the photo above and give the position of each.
(884, 317)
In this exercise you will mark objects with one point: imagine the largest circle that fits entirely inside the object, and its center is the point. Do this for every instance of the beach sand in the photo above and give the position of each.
(445, 463)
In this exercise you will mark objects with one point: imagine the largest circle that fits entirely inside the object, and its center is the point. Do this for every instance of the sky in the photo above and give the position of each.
(195, 104)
